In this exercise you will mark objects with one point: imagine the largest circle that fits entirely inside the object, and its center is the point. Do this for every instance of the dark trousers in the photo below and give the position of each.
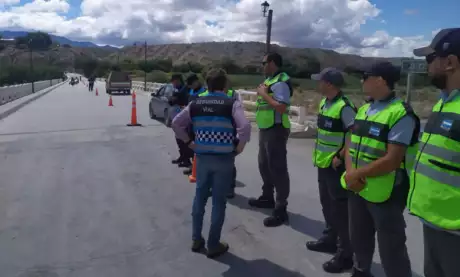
(441, 253)
(91, 86)
(273, 163)
(185, 153)
(387, 220)
(334, 202)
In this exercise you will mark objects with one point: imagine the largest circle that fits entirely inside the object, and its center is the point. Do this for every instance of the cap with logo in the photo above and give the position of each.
(330, 75)
(446, 42)
(386, 70)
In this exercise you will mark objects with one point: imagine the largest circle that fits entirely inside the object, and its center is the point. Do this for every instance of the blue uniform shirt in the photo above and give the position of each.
(282, 94)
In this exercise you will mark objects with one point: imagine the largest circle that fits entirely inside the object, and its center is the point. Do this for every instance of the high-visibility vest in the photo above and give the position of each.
(369, 142)
(230, 93)
(435, 179)
(330, 136)
(265, 113)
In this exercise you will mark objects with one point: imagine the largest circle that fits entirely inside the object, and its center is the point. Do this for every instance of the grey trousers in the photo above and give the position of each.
(334, 202)
(273, 163)
(387, 220)
(441, 253)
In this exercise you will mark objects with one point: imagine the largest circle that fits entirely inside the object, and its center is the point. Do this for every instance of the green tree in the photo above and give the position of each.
(181, 68)
(35, 41)
(164, 65)
(147, 66)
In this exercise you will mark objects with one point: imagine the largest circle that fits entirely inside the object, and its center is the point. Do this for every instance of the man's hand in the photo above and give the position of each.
(336, 162)
(240, 148)
(262, 90)
(354, 181)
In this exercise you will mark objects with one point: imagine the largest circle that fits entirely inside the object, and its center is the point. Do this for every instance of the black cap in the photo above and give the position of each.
(386, 70)
(446, 42)
(192, 78)
(330, 75)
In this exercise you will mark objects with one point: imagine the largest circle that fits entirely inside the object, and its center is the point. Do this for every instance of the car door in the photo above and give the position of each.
(167, 94)
(156, 102)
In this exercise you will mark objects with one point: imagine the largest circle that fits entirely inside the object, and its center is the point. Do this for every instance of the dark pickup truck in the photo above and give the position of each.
(118, 81)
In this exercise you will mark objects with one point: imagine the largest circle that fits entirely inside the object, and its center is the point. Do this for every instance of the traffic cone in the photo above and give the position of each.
(110, 101)
(97, 92)
(192, 178)
(134, 113)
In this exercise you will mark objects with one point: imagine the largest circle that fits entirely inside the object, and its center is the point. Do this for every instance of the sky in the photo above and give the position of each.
(380, 28)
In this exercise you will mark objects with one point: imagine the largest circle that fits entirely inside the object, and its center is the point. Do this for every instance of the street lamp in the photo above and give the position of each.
(145, 65)
(265, 7)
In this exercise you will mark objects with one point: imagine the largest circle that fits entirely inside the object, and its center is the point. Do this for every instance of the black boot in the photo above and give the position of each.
(185, 163)
(278, 218)
(177, 161)
(339, 263)
(187, 171)
(263, 202)
(323, 245)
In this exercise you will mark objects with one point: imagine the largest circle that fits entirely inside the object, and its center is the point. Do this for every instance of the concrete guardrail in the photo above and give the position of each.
(11, 93)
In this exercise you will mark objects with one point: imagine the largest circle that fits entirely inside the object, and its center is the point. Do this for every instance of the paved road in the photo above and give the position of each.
(82, 195)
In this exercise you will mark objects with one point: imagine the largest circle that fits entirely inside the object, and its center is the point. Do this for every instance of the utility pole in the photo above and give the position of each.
(31, 66)
(145, 64)
(265, 8)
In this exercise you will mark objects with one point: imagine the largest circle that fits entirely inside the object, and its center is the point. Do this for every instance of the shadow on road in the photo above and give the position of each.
(239, 184)
(298, 222)
(262, 267)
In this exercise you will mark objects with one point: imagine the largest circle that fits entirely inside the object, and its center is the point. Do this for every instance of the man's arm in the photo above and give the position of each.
(348, 119)
(243, 125)
(181, 123)
(281, 97)
(399, 138)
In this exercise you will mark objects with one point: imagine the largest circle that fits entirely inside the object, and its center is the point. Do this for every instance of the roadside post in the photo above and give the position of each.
(411, 67)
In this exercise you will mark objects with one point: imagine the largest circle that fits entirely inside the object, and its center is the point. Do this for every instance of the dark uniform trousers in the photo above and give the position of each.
(441, 253)
(334, 202)
(387, 220)
(273, 163)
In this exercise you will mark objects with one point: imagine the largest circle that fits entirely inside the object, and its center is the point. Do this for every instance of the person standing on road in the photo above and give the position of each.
(435, 180)
(217, 121)
(178, 99)
(383, 141)
(272, 118)
(232, 94)
(336, 116)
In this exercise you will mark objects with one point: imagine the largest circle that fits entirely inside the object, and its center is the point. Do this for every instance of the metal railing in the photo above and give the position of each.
(13, 92)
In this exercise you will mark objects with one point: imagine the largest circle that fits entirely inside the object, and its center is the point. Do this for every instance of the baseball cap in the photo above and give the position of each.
(386, 70)
(330, 75)
(446, 42)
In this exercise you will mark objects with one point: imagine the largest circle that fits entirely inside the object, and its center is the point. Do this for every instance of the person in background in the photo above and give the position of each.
(273, 101)
(383, 139)
(435, 179)
(217, 121)
(91, 81)
(336, 116)
(180, 99)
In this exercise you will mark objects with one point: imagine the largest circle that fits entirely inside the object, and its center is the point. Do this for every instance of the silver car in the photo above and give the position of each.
(159, 107)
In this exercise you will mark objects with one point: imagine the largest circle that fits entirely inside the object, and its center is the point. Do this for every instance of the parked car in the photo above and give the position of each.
(118, 81)
(159, 107)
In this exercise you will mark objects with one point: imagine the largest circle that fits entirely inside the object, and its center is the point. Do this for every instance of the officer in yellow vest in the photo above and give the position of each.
(272, 119)
(435, 179)
(336, 116)
(376, 170)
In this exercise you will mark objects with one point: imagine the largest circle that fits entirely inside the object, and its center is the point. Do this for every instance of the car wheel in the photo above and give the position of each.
(167, 119)
(152, 114)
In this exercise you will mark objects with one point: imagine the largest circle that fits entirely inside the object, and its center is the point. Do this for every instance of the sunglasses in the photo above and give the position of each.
(430, 58)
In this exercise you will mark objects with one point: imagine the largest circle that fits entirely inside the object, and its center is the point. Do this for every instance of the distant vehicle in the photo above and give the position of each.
(73, 81)
(159, 106)
(118, 81)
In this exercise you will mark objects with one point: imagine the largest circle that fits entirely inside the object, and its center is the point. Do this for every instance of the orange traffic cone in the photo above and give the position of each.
(110, 101)
(97, 92)
(134, 113)
(192, 178)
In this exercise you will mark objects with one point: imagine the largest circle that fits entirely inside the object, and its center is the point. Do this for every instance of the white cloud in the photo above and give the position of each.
(333, 24)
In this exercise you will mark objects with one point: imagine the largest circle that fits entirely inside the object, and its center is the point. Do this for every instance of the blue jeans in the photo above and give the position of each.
(212, 172)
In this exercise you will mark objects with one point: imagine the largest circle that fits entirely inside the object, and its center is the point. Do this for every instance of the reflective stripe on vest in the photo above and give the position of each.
(230, 93)
(213, 124)
(435, 180)
(265, 113)
(369, 143)
(330, 136)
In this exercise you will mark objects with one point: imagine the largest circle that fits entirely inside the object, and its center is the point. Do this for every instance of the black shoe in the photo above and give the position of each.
(177, 161)
(184, 164)
(278, 218)
(357, 273)
(322, 246)
(187, 171)
(198, 245)
(262, 202)
(338, 264)
(221, 249)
